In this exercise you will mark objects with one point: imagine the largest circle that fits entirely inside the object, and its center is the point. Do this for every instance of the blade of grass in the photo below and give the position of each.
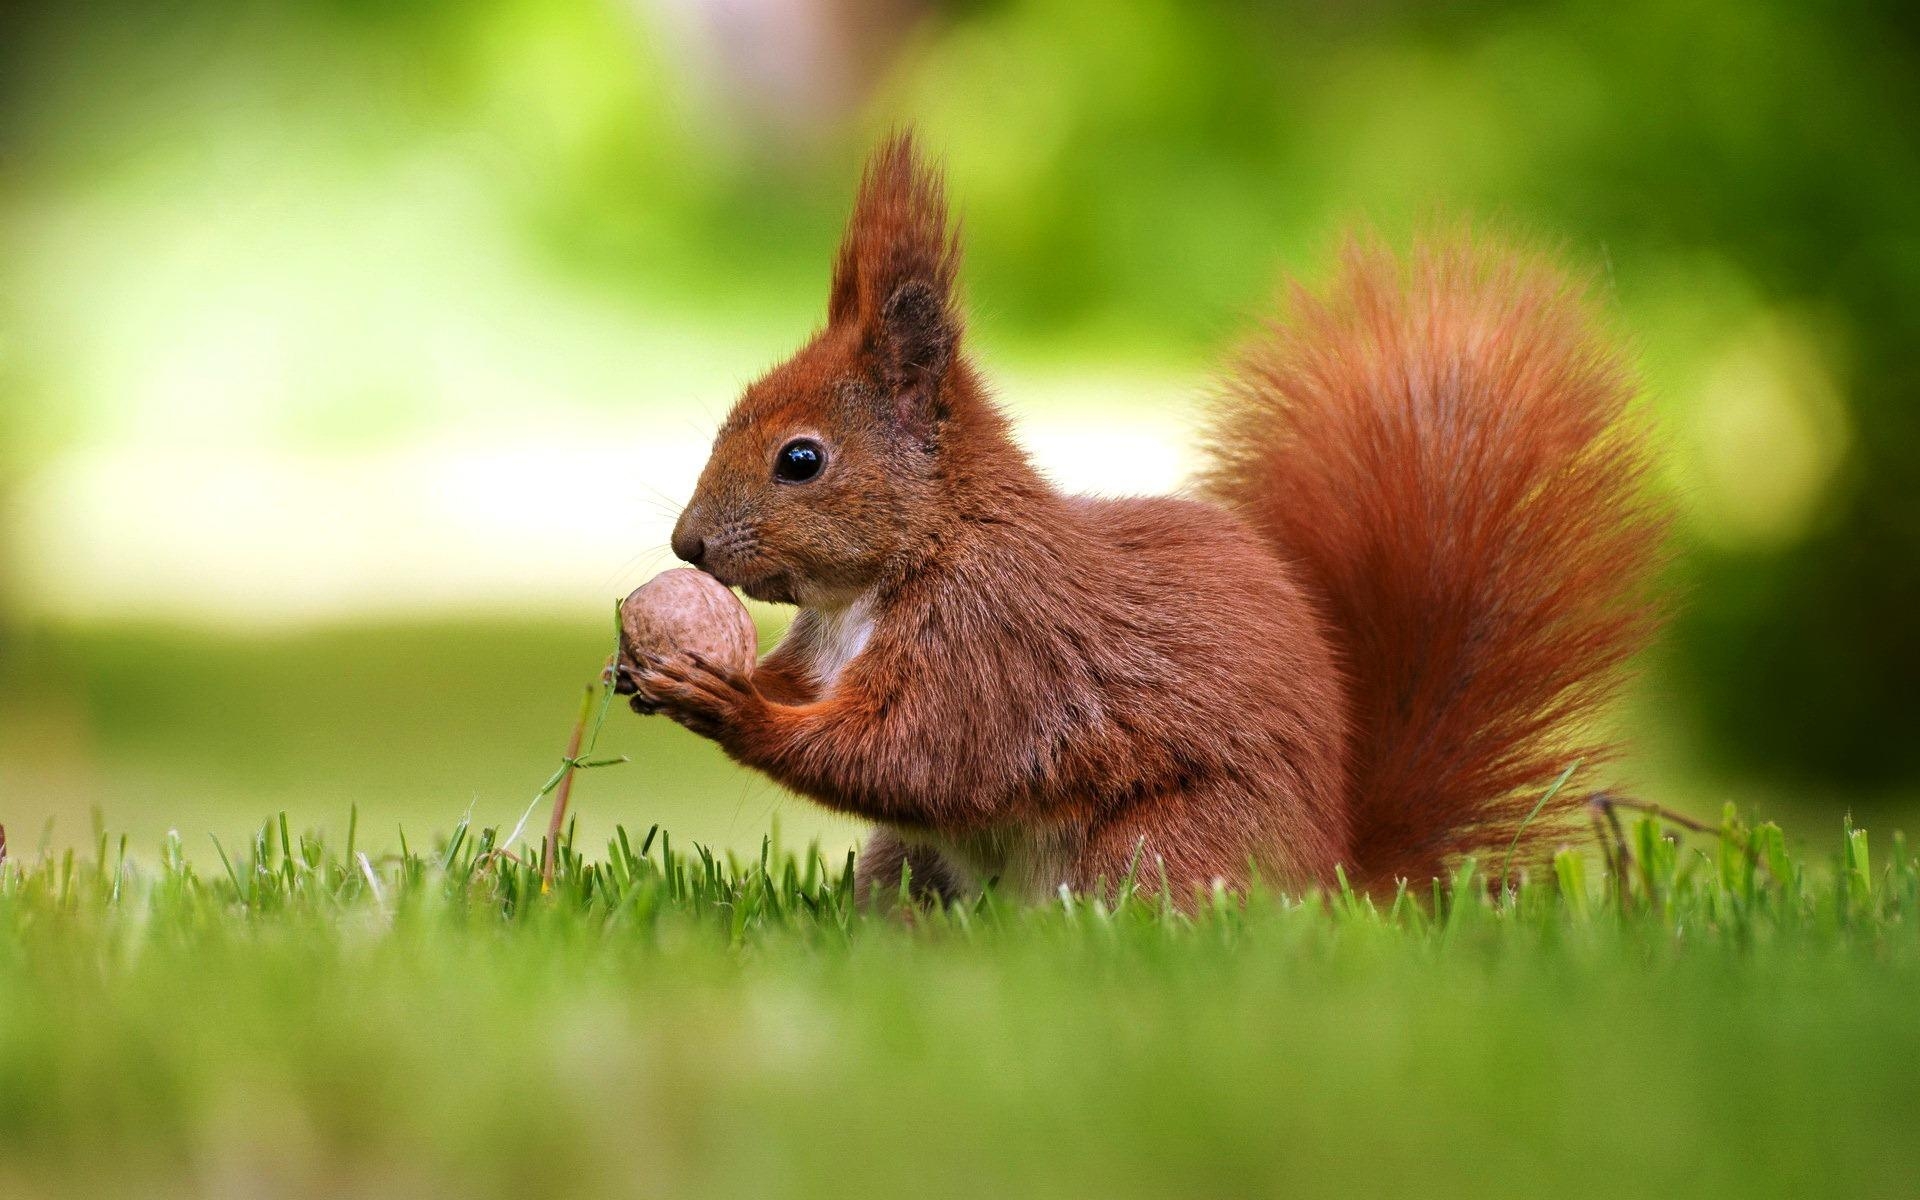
(1550, 794)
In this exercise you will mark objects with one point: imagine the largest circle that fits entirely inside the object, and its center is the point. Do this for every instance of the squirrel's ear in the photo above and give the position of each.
(912, 345)
(893, 279)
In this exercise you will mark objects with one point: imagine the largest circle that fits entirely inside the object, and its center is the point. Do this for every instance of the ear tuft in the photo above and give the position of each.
(894, 275)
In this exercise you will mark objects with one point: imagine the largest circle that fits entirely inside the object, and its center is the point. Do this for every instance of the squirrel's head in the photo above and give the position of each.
(824, 472)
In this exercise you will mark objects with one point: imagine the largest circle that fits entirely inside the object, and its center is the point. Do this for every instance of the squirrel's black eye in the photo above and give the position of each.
(799, 460)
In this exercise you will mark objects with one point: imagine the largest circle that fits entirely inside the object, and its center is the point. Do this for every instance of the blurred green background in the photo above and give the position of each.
(352, 355)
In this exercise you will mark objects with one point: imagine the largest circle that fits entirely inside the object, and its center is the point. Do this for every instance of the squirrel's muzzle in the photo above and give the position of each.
(689, 542)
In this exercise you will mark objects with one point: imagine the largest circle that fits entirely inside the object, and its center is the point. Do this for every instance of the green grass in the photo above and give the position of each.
(1716, 1017)
(414, 723)
(376, 1011)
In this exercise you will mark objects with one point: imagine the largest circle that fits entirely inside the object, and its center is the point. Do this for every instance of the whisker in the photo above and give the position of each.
(643, 562)
(666, 510)
(676, 506)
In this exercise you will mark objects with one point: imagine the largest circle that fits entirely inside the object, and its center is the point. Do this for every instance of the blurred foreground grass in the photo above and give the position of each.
(300, 1020)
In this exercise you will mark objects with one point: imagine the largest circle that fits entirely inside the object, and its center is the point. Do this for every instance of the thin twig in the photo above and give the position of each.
(1602, 803)
(1654, 810)
(564, 791)
(575, 759)
(1600, 836)
(1606, 806)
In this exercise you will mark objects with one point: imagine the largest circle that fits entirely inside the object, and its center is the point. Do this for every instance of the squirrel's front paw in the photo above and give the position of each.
(629, 681)
(701, 695)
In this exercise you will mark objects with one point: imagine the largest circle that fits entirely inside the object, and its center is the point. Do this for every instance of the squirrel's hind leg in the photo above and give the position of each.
(876, 873)
(1221, 836)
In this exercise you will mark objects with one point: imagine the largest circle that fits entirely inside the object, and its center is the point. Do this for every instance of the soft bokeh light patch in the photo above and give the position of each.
(557, 514)
(1770, 434)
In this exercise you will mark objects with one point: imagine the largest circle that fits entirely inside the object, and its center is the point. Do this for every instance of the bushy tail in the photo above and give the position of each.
(1446, 447)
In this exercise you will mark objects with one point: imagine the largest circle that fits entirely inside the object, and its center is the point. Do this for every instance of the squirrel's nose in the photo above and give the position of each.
(689, 547)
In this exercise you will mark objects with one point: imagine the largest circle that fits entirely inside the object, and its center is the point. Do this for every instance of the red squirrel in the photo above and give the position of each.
(1413, 567)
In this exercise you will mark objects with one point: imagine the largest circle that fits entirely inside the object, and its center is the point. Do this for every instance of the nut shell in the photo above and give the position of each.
(688, 611)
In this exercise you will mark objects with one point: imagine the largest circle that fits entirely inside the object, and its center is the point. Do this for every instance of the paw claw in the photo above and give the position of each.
(688, 688)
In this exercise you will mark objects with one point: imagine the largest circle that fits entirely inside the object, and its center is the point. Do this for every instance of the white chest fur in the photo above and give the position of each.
(1028, 864)
(836, 638)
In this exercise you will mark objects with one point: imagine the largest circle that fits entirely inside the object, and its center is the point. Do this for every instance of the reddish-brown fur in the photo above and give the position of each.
(1447, 450)
(1413, 576)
